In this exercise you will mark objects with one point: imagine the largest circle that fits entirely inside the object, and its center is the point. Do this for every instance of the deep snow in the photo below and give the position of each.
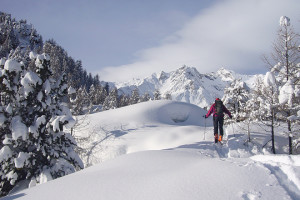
(164, 150)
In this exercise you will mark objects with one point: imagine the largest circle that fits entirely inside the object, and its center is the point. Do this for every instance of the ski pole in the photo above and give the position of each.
(233, 129)
(204, 127)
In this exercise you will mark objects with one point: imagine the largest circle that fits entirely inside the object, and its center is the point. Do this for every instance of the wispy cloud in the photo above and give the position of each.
(232, 34)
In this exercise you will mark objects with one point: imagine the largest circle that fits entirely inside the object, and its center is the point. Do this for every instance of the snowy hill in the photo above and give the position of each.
(152, 125)
(186, 84)
(164, 150)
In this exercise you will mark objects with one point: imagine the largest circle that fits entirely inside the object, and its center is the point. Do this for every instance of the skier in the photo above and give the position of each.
(218, 110)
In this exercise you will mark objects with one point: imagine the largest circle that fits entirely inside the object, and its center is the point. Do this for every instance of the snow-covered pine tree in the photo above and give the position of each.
(81, 103)
(101, 94)
(263, 104)
(135, 96)
(253, 106)
(235, 97)
(106, 88)
(111, 101)
(157, 95)
(17, 54)
(10, 75)
(270, 103)
(36, 149)
(97, 94)
(168, 96)
(145, 97)
(254, 103)
(123, 100)
(283, 63)
(93, 94)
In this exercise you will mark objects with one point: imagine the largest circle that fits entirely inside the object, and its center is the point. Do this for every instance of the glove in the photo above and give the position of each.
(205, 116)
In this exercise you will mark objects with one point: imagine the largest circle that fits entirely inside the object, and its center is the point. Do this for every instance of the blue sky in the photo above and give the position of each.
(122, 39)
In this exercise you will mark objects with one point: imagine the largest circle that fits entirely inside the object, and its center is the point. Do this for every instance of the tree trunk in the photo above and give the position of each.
(286, 53)
(272, 131)
(249, 139)
(290, 138)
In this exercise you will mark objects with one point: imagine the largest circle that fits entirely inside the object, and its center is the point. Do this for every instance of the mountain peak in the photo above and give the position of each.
(162, 76)
(187, 69)
(226, 75)
(186, 84)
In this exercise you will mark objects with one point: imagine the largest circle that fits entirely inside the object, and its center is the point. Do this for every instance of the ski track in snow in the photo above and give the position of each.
(285, 169)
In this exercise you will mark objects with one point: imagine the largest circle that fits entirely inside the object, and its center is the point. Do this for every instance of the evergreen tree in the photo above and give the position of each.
(145, 97)
(111, 101)
(36, 148)
(124, 100)
(61, 62)
(135, 97)
(77, 75)
(168, 96)
(96, 80)
(93, 95)
(254, 104)
(81, 103)
(10, 75)
(235, 98)
(263, 104)
(252, 107)
(89, 81)
(157, 95)
(270, 103)
(106, 88)
(101, 94)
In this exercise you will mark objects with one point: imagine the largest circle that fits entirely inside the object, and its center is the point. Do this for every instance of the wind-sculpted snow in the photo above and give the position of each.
(154, 112)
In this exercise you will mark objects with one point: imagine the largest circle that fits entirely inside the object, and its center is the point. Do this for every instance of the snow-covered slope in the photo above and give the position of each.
(164, 150)
(167, 175)
(187, 84)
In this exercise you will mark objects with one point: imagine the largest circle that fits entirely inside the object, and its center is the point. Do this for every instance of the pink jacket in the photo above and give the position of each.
(213, 110)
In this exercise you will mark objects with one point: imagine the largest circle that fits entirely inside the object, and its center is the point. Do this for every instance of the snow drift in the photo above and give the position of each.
(153, 112)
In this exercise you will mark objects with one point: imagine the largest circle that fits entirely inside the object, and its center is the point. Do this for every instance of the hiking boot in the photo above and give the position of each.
(216, 138)
(220, 138)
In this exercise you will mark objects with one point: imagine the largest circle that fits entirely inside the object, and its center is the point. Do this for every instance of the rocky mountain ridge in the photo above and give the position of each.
(186, 84)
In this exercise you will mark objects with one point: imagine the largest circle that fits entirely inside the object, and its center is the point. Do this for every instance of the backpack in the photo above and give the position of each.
(219, 107)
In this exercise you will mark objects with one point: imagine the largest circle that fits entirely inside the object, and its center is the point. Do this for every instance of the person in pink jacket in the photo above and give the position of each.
(218, 109)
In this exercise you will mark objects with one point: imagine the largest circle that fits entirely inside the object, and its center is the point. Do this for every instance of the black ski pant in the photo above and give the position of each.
(218, 123)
